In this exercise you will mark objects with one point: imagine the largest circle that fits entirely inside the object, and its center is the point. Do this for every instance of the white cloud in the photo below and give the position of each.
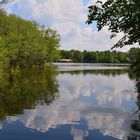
(68, 17)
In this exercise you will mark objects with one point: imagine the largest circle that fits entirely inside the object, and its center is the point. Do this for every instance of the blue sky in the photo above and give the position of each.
(68, 17)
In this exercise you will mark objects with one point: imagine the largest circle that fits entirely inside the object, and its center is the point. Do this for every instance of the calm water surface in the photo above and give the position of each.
(74, 102)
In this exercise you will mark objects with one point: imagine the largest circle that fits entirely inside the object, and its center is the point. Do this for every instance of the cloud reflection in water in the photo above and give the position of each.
(97, 99)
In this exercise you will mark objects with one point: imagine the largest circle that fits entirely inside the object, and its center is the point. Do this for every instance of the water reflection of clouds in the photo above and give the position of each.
(104, 90)
(102, 106)
(78, 134)
(111, 124)
(108, 124)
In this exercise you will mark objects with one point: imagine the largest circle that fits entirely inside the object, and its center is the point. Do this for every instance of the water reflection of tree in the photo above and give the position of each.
(107, 72)
(135, 75)
(25, 89)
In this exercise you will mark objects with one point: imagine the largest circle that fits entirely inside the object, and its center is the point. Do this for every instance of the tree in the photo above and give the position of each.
(95, 56)
(133, 53)
(76, 56)
(120, 16)
(26, 44)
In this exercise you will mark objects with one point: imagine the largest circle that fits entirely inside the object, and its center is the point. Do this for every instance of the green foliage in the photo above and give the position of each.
(119, 16)
(26, 44)
(95, 57)
(76, 56)
(134, 54)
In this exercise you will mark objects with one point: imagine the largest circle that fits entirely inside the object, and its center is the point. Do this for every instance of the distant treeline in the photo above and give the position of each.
(100, 56)
(25, 43)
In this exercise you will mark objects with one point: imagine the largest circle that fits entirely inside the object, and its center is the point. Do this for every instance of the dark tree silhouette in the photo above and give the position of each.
(119, 16)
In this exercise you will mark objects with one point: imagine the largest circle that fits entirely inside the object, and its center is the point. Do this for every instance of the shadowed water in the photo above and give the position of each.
(72, 102)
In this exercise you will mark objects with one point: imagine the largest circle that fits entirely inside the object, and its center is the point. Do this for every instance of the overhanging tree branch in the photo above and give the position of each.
(119, 16)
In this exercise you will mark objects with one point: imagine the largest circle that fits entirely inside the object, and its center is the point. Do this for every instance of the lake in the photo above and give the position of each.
(69, 102)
